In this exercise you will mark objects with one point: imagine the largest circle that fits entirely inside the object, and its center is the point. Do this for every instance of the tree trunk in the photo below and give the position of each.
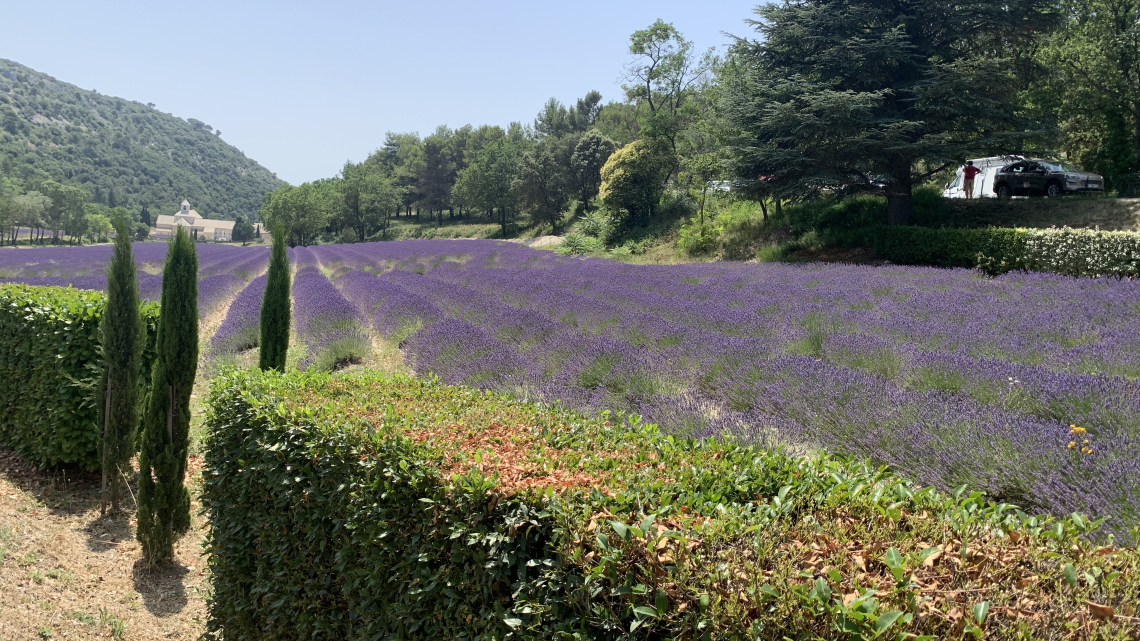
(1136, 135)
(899, 211)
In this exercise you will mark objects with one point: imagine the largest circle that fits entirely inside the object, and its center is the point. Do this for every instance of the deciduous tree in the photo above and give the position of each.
(590, 155)
(302, 212)
(1093, 84)
(633, 177)
(486, 183)
(243, 231)
(541, 185)
(662, 78)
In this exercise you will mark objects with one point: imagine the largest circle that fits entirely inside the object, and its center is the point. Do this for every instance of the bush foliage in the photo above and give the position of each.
(49, 372)
(1071, 252)
(375, 507)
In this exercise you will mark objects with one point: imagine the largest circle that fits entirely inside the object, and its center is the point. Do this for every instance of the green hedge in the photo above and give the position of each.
(994, 250)
(48, 360)
(370, 507)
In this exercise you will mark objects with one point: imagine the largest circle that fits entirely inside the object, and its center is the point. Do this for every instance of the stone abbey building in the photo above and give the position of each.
(216, 230)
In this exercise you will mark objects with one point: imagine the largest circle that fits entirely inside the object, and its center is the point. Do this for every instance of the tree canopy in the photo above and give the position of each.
(835, 93)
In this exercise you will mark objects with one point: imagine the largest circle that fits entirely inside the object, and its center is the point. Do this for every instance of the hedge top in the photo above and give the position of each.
(675, 532)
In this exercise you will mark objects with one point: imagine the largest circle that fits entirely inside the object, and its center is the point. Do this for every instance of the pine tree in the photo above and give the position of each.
(275, 307)
(164, 502)
(144, 217)
(122, 338)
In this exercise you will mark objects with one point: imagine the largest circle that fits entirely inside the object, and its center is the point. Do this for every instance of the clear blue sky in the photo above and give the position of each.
(303, 86)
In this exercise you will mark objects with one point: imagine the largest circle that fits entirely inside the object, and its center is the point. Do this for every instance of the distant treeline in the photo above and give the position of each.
(46, 211)
(831, 97)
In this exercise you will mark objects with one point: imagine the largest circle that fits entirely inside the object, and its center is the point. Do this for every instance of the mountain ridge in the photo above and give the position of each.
(124, 152)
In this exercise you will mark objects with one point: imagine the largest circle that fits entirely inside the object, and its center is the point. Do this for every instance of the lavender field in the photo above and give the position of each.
(1026, 386)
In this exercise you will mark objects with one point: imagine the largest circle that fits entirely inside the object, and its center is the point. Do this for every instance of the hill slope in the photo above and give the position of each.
(120, 150)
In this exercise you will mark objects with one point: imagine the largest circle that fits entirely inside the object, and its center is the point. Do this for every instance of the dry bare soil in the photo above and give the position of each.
(66, 573)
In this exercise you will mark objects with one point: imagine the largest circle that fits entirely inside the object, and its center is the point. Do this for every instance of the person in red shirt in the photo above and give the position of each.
(968, 173)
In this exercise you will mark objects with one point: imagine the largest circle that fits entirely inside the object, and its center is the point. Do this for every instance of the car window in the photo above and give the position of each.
(1035, 167)
(1015, 168)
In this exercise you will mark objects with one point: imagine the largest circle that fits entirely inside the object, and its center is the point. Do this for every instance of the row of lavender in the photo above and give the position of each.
(329, 329)
(948, 376)
(222, 269)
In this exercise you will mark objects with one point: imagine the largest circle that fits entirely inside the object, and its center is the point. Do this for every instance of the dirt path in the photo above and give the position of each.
(66, 573)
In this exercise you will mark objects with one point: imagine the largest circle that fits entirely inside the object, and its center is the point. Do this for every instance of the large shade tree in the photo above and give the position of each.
(837, 93)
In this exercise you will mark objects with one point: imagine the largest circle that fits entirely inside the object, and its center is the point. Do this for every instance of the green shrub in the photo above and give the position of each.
(697, 239)
(596, 224)
(1082, 252)
(373, 507)
(49, 369)
(865, 210)
(994, 250)
(945, 247)
(576, 244)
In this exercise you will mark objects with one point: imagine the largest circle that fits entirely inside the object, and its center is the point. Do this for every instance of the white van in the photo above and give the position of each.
(984, 183)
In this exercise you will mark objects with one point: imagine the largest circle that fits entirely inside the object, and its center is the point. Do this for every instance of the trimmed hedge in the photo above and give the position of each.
(994, 250)
(374, 507)
(49, 359)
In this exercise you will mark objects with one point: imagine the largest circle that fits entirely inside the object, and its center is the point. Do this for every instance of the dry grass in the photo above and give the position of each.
(66, 573)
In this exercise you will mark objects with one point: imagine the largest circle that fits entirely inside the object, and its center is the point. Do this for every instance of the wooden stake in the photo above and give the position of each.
(106, 422)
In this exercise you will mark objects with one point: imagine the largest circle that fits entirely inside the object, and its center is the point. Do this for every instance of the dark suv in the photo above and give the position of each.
(1044, 177)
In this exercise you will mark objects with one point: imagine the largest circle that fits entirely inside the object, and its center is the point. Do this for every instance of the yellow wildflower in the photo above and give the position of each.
(1072, 444)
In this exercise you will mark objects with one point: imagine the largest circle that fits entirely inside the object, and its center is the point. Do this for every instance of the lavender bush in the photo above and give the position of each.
(330, 327)
(948, 376)
(239, 330)
(1026, 386)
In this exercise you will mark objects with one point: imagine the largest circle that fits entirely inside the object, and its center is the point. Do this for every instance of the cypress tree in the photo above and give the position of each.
(275, 307)
(164, 501)
(122, 335)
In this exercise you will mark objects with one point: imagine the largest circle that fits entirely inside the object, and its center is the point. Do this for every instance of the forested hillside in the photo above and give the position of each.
(124, 153)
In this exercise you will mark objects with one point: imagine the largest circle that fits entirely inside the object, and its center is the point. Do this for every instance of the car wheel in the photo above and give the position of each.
(1053, 190)
(1002, 191)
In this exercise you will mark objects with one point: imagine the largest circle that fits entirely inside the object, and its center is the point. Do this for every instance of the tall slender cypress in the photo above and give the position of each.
(164, 501)
(122, 336)
(275, 307)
